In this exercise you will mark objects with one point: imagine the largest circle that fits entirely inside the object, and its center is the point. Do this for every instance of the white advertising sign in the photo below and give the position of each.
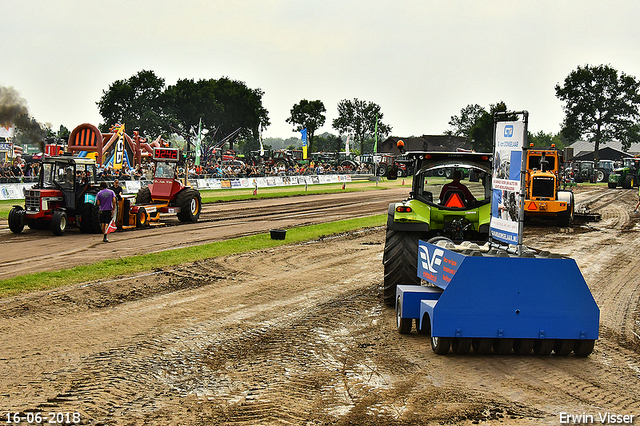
(507, 163)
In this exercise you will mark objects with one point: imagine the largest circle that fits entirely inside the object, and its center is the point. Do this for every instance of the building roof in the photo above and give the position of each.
(582, 148)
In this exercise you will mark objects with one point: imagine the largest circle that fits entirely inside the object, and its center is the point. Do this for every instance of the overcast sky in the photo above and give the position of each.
(421, 61)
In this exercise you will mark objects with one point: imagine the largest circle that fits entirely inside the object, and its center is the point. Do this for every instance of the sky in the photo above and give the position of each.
(421, 61)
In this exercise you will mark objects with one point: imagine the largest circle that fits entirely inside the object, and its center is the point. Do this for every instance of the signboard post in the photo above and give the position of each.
(507, 208)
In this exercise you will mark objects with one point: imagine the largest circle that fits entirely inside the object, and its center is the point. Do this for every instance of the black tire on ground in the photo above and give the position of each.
(601, 175)
(403, 324)
(440, 345)
(382, 170)
(482, 346)
(143, 196)
(59, 222)
(190, 204)
(543, 347)
(400, 262)
(629, 182)
(142, 218)
(565, 218)
(502, 346)
(426, 325)
(583, 347)
(15, 219)
(90, 219)
(563, 347)
(461, 346)
(612, 185)
(523, 346)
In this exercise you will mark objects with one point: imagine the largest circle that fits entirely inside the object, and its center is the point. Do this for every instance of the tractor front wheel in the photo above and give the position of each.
(16, 223)
(190, 204)
(59, 222)
(142, 218)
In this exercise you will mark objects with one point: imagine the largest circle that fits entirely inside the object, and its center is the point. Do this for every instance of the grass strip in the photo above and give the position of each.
(111, 268)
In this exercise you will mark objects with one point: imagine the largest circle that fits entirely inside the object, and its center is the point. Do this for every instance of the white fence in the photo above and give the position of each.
(15, 191)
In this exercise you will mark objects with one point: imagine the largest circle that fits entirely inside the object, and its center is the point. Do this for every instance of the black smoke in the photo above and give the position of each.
(14, 112)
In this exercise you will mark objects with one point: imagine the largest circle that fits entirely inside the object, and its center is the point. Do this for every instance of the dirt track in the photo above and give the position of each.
(299, 335)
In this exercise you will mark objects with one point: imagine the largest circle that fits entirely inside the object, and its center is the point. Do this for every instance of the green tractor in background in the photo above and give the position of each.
(627, 175)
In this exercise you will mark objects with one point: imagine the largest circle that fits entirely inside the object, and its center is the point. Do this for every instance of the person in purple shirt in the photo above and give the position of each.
(106, 200)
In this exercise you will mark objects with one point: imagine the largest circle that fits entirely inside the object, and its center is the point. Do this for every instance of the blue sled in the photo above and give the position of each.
(499, 302)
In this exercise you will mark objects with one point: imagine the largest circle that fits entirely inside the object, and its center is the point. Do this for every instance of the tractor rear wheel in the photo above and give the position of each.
(90, 219)
(601, 175)
(143, 196)
(400, 262)
(59, 222)
(629, 182)
(190, 204)
(16, 223)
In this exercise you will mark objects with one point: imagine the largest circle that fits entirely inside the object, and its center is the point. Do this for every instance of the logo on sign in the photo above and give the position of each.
(430, 262)
(508, 131)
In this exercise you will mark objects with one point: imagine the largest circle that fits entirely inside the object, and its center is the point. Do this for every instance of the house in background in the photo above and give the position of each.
(582, 150)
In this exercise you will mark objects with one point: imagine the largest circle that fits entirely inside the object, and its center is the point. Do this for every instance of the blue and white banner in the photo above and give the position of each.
(437, 265)
(507, 164)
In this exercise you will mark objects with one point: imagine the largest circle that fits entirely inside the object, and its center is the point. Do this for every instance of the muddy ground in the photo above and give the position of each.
(299, 335)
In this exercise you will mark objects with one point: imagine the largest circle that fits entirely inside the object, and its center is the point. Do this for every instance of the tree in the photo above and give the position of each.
(308, 115)
(461, 125)
(360, 119)
(481, 133)
(545, 140)
(601, 105)
(136, 102)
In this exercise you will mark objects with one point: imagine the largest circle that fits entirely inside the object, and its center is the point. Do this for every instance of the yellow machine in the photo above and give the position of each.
(544, 196)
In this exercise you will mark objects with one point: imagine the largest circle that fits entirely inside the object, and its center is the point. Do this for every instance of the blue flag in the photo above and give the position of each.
(304, 136)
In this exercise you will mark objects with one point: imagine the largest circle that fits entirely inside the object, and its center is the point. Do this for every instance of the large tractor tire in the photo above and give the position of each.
(190, 204)
(143, 196)
(629, 182)
(90, 219)
(601, 175)
(16, 224)
(59, 222)
(400, 262)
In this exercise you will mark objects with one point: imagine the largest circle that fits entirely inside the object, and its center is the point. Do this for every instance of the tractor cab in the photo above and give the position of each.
(165, 181)
(64, 194)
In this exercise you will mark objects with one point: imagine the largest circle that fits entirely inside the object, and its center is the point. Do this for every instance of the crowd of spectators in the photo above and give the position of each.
(21, 171)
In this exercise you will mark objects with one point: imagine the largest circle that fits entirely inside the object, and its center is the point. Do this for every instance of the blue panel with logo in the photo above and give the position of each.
(505, 296)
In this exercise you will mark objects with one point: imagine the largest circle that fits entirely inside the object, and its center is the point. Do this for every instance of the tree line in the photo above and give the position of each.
(600, 105)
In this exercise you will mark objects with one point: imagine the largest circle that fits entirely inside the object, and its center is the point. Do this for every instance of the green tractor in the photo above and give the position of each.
(423, 215)
(627, 175)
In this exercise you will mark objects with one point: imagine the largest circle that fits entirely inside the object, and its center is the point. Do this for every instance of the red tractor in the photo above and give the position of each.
(167, 194)
(65, 194)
